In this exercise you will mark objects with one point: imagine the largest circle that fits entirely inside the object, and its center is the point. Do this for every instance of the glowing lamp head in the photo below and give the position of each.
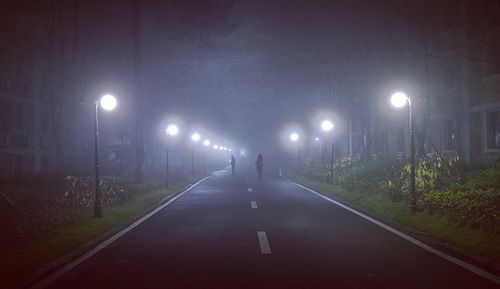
(172, 130)
(327, 125)
(399, 99)
(230, 150)
(294, 137)
(195, 137)
(316, 139)
(206, 142)
(216, 147)
(108, 102)
(221, 148)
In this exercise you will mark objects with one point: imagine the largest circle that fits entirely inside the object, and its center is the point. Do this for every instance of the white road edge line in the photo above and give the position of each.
(68, 267)
(253, 204)
(476, 270)
(265, 249)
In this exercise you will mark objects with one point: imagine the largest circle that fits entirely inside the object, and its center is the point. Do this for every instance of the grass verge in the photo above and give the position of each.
(475, 242)
(20, 263)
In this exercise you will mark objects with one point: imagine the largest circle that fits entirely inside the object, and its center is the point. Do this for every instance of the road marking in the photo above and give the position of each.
(253, 204)
(476, 270)
(250, 190)
(265, 249)
(68, 267)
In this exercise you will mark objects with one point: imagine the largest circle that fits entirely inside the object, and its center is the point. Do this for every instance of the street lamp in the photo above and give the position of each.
(317, 147)
(107, 102)
(172, 130)
(399, 100)
(195, 137)
(294, 137)
(327, 126)
(206, 143)
(216, 147)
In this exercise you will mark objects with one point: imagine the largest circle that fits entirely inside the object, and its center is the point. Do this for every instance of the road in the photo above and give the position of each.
(238, 232)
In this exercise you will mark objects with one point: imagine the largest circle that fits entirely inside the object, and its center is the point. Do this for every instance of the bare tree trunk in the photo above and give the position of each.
(140, 152)
(427, 94)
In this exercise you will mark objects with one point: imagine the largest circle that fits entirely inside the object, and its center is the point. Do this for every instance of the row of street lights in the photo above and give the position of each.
(326, 126)
(172, 130)
(398, 100)
(108, 103)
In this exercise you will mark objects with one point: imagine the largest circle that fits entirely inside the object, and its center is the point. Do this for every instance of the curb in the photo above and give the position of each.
(478, 268)
(55, 265)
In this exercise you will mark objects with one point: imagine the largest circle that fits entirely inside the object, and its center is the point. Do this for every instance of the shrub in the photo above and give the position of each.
(478, 207)
(432, 173)
(79, 193)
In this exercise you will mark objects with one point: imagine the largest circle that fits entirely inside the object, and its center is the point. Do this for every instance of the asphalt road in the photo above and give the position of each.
(238, 232)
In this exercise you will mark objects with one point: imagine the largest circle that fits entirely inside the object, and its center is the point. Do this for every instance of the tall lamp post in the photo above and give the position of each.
(206, 143)
(195, 137)
(107, 102)
(316, 140)
(399, 100)
(172, 130)
(327, 126)
(294, 137)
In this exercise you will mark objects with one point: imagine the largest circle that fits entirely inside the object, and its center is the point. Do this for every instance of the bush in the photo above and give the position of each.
(79, 192)
(67, 202)
(478, 207)
(484, 179)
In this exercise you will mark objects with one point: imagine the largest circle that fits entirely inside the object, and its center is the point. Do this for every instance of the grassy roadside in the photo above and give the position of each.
(474, 241)
(19, 263)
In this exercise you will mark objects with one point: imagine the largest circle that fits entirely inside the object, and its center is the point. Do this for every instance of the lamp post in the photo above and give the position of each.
(327, 126)
(294, 137)
(107, 102)
(398, 100)
(317, 147)
(172, 130)
(195, 137)
(206, 143)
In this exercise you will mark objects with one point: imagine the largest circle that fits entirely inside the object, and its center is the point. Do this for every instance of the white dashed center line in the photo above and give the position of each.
(265, 249)
(253, 204)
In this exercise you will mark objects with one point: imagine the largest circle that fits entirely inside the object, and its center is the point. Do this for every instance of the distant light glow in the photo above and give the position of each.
(327, 125)
(225, 148)
(195, 137)
(242, 152)
(206, 142)
(172, 130)
(316, 139)
(221, 148)
(108, 102)
(230, 150)
(294, 137)
(399, 99)
(216, 147)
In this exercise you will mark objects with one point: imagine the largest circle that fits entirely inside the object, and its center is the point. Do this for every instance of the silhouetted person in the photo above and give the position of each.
(233, 164)
(260, 166)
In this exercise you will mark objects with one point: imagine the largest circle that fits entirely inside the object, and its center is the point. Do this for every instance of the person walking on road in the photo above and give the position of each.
(260, 166)
(233, 164)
